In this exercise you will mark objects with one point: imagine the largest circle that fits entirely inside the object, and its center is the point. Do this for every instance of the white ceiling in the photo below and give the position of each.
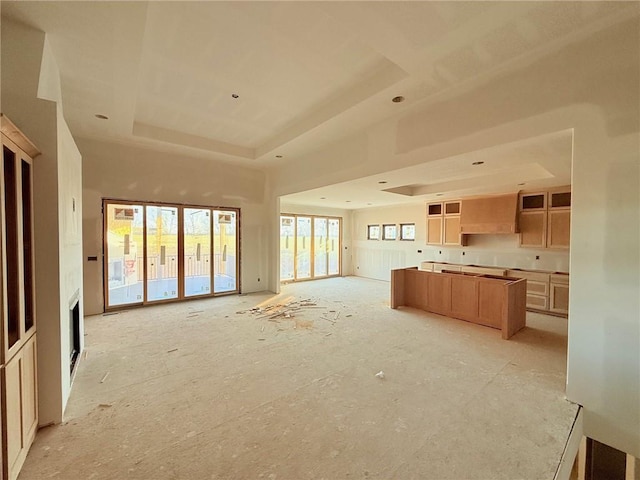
(305, 73)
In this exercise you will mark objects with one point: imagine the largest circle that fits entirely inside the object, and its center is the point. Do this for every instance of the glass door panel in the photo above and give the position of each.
(319, 247)
(197, 251)
(303, 247)
(287, 248)
(162, 253)
(125, 267)
(225, 241)
(333, 246)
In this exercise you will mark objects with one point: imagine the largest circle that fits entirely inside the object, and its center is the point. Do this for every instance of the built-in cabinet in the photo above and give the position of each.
(559, 293)
(544, 218)
(546, 291)
(18, 378)
(443, 224)
(490, 300)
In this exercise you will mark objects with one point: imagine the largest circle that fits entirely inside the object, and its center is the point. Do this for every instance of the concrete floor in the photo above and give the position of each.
(198, 391)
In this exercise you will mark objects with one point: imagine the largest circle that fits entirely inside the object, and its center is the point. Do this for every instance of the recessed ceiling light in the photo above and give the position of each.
(477, 163)
(398, 99)
(382, 182)
(235, 95)
(438, 194)
(278, 156)
(101, 116)
(348, 201)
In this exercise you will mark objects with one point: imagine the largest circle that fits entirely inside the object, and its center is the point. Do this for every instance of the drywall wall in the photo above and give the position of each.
(375, 258)
(31, 98)
(116, 171)
(347, 242)
(590, 86)
(70, 244)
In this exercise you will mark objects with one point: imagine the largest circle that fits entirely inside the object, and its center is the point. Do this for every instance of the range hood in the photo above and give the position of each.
(496, 214)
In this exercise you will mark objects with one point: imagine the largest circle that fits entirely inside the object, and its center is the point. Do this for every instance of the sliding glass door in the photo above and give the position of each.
(320, 226)
(309, 247)
(124, 254)
(162, 253)
(168, 252)
(225, 251)
(197, 251)
(287, 248)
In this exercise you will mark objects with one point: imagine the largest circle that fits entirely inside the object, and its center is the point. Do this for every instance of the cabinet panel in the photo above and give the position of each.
(439, 267)
(538, 288)
(434, 231)
(533, 201)
(559, 298)
(490, 304)
(484, 270)
(410, 289)
(13, 412)
(537, 301)
(533, 229)
(465, 292)
(452, 231)
(29, 392)
(559, 228)
(439, 294)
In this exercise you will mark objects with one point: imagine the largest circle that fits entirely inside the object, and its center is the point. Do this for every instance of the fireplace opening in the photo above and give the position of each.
(74, 334)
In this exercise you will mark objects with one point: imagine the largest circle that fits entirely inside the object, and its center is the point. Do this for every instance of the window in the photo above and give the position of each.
(389, 232)
(407, 231)
(373, 232)
(160, 252)
(309, 247)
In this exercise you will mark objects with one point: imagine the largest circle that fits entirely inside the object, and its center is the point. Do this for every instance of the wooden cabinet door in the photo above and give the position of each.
(559, 298)
(533, 229)
(490, 304)
(11, 378)
(464, 298)
(559, 228)
(439, 294)
(29, 392)
(451, 231)
(434, 231)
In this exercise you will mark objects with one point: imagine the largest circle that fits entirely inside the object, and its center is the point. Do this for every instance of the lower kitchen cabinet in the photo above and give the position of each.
(559, 298)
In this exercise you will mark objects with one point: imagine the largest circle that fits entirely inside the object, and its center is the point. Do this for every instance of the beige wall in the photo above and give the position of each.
(31, 98)
(129, 173)
(591, 87)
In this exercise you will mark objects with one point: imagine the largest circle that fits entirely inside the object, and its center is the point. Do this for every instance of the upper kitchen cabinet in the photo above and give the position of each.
(559, 218)
(544, 218)
(434, 223)
(443, 223)
(533, 219)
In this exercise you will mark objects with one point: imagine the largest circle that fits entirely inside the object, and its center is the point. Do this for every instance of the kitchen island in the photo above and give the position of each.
(492, 300)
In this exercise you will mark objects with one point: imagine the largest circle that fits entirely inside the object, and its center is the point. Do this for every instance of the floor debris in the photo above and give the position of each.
(105, 377)
(172, 350)
(380, 374)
